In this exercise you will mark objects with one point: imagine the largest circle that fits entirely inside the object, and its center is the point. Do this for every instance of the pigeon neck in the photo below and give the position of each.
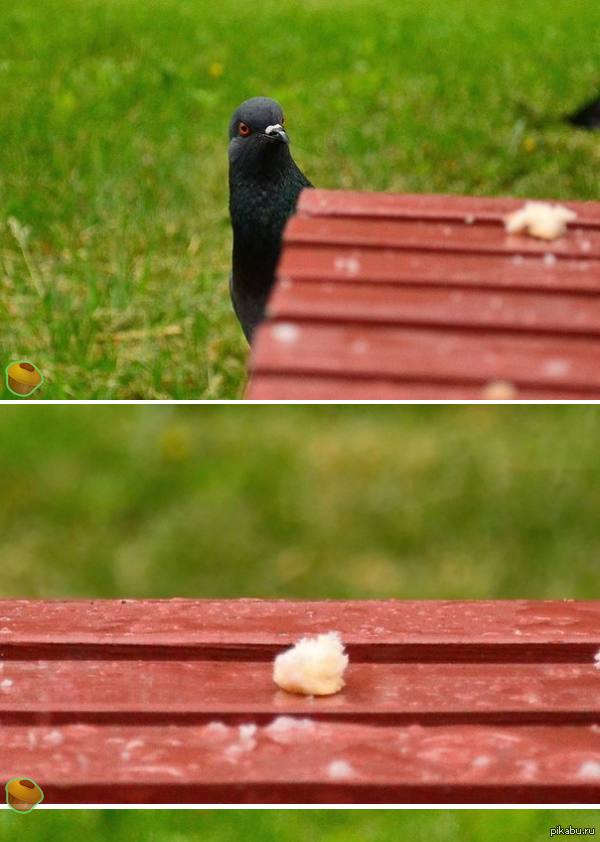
(262, 164)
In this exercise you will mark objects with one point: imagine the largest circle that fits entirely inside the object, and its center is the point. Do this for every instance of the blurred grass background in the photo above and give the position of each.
(294, 825)
(304, 501)
(114, 233)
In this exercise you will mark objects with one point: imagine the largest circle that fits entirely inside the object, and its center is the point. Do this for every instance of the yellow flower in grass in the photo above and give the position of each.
(216, 70)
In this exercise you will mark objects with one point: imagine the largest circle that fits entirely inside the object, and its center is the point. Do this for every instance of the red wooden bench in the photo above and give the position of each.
(384, 296)
(173, 701)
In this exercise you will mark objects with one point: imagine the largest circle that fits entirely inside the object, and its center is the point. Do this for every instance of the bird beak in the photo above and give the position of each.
(277, 132)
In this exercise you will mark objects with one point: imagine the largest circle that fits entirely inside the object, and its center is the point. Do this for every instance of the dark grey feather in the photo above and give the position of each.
(587, 117)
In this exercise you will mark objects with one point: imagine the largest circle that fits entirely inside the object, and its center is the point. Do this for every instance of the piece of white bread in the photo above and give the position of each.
(314, 666)
(540, 219)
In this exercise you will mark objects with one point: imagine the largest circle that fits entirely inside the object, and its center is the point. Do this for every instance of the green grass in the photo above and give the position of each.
(300, 501)
(294, 825)
(114, 233)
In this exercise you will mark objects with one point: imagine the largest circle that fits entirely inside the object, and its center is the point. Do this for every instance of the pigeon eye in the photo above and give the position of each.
(283, 120)
(243, 129)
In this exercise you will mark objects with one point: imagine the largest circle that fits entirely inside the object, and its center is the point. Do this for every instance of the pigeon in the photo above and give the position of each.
(587, 117)
(264, 185)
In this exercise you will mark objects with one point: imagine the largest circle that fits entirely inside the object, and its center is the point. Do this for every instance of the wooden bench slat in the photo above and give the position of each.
(428, 206)
(157, 701)
(406, 305)
(350, 264)
(437, 693)
(427, 354)
(391, 263)
(208, 764)
(181, 623)
(437, 237)
(268, 386)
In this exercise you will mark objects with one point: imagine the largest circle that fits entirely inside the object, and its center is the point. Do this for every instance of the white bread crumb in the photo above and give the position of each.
(246, 741)
(539, 219)
(499, 390)
(589, 769)
(216, 728)
(340, 769)
(313, 667)
(289, 729)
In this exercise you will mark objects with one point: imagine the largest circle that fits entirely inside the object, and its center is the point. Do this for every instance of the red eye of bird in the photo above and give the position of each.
(243, 129)
(283, 120)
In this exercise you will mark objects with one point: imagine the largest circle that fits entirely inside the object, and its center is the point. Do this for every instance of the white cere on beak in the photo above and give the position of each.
(276, 128)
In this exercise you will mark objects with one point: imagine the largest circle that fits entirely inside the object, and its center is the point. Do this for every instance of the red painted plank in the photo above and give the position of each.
(438, 237)
(306, 261)
(414, 305)
(268, 386)
(192, 691)
(415, 290)
(445, 702)
(428, 206)
(490, 625)
(427, 354)
(319, 763)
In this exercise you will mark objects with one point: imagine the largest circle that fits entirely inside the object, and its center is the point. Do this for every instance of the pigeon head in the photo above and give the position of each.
(257, 137)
